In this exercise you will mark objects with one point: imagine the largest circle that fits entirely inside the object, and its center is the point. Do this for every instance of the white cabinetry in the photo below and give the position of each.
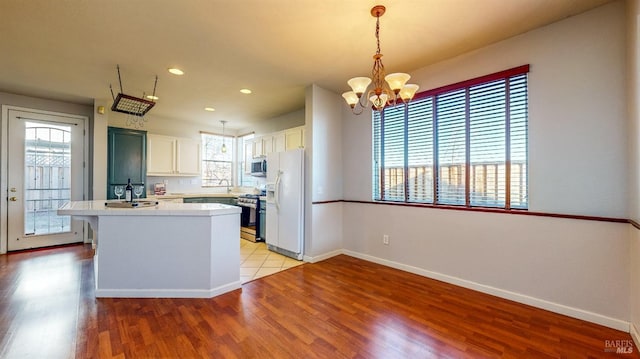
(248, 155)
(279, 142)
(267, 144)
(172, 156)
(256, 147)
(262, 146)
(294, 138)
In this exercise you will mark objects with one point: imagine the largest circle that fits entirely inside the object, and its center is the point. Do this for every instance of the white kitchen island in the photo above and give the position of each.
(172, 250)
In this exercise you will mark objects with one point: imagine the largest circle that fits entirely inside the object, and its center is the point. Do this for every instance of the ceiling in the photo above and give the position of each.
(68, 50)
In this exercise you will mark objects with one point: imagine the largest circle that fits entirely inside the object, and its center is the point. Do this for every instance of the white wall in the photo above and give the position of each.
(166, 126)
(578, 165)
(323, 154)
(633, 89)
(278, 123)
(574, 263)
(99, 150)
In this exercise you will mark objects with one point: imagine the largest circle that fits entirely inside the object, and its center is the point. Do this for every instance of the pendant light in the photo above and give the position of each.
(387, 90)
(224, 139)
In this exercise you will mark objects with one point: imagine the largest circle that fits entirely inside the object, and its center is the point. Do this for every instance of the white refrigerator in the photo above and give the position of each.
(285, 202)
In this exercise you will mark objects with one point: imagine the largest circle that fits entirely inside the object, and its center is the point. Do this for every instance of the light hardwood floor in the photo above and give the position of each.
(342, 307)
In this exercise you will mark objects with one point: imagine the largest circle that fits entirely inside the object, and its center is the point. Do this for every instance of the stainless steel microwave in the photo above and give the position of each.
(259, 166)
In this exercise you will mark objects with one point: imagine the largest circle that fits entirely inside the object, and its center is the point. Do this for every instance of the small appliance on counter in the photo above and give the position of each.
(159, 189)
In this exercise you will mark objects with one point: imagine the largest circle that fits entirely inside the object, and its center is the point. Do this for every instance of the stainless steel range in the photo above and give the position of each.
(250, 218)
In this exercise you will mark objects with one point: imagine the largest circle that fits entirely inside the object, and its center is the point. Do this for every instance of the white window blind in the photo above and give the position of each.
(463, 144)
(393, 155)
(451, 124)
(518, 113)
(420, 151)
(487, 141)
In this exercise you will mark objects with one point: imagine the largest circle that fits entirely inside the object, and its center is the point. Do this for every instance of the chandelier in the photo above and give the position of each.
(392, 90)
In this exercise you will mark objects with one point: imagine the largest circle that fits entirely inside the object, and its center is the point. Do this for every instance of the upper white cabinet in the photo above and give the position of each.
(172, 156)
(248, 155)
(188, 156)
(256, 147)
(278, 142)
(294, 138)
(267, 145)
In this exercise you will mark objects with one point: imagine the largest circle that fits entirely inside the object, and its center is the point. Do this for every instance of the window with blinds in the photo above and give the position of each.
(463, 144)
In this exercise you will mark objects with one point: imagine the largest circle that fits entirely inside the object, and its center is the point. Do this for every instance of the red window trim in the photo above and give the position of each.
(522, 212)
(472, 82)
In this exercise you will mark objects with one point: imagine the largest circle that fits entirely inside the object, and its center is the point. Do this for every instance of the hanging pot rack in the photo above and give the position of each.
(131, 105)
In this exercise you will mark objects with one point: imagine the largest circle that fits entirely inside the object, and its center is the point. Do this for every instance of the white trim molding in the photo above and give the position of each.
(168, 293)
(315, 259)
(635, 335)
(516, 297)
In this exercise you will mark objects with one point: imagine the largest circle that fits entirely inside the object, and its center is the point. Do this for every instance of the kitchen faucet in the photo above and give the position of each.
(228, 184)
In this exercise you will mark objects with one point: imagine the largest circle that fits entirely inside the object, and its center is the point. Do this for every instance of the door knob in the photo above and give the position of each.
(12, 199)
(13, 189)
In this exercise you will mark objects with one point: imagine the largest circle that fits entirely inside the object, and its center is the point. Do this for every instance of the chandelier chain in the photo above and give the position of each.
(378, 34)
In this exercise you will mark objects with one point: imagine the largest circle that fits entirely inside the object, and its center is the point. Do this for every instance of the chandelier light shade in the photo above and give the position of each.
(359, 84)
(387, 89)
(408, 91)
(397, 81)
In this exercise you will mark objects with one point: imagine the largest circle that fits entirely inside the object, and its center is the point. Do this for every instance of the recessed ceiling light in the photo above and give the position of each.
(176, 71)
(245, 91)
(210, 109)
(151, 97)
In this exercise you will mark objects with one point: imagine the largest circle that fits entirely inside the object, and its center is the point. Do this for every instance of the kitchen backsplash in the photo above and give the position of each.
(194, 184)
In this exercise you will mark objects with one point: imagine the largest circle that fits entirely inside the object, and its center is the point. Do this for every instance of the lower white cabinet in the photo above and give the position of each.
(172, 156)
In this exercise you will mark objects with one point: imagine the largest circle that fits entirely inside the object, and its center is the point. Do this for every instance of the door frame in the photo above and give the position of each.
(4, 166)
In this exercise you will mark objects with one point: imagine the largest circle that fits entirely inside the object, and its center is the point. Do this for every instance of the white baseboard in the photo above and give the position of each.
(520, 298)
(168, 293)
(314, 259)
(635, 335)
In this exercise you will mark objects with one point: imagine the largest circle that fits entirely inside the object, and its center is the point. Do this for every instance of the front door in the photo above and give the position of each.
(45, 169)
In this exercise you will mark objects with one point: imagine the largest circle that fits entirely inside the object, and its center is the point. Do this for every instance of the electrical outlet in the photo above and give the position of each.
(385, 239)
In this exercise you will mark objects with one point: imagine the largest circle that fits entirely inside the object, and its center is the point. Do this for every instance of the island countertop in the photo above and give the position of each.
(170, 250)
(98, 208)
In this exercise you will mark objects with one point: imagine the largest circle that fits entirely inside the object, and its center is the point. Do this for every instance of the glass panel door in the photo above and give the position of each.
(45, 170)
(47, 177)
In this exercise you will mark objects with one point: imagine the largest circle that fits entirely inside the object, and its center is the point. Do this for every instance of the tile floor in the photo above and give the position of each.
(257, 261)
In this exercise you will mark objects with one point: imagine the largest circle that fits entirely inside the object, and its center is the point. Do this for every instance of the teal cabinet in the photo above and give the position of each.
(223, 200)
(126, 158)
(194, 200)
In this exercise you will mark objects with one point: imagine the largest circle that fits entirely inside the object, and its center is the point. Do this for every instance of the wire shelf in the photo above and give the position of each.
(131, 105)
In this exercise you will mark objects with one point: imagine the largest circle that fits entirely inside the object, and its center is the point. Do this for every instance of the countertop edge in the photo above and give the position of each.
(97, 208)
